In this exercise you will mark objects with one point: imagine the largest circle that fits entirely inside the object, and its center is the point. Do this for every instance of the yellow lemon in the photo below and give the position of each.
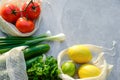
(68, 68)
(88, 70)
(80, 54)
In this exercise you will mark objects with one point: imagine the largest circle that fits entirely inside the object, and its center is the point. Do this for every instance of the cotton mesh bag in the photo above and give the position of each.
(98, 60)
(12, 65)
(10, 28)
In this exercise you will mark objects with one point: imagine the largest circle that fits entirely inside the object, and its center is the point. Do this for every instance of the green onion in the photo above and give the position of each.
(60, 37)
(11, 42)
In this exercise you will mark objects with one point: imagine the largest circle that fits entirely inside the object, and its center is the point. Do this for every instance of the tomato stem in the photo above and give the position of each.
(28, 4)
(13, 11)
(31, 1)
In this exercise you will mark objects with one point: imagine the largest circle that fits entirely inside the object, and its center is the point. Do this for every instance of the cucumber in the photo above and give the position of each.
(4, 50)
(34, 51)
(29, 62)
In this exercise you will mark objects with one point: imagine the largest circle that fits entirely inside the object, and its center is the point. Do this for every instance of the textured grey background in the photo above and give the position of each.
(84, 21)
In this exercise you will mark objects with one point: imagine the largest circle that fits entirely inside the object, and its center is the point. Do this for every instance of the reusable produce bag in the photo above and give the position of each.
(9, 28)
(12, 65)
(98, 60)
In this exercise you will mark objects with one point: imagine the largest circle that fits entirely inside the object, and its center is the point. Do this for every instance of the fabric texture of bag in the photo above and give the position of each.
(12, 65)
(10, 28)
(98, 60)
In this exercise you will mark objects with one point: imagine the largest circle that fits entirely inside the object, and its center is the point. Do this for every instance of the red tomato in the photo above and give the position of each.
(10, 13)
(24, 25)
(32, 10)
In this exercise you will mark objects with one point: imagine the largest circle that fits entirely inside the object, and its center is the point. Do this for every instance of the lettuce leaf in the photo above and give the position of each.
(44, 69)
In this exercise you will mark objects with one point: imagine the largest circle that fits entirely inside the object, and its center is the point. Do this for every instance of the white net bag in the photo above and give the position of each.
(10, 28)
(12, 65)
(98, 60)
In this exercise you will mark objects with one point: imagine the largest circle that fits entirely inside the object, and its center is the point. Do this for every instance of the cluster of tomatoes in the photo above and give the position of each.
(23, 18)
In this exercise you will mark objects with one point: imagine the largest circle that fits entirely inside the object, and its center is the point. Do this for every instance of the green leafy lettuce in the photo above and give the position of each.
(44, 69)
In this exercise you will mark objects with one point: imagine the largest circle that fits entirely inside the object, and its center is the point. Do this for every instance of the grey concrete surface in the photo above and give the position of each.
(85, 21)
